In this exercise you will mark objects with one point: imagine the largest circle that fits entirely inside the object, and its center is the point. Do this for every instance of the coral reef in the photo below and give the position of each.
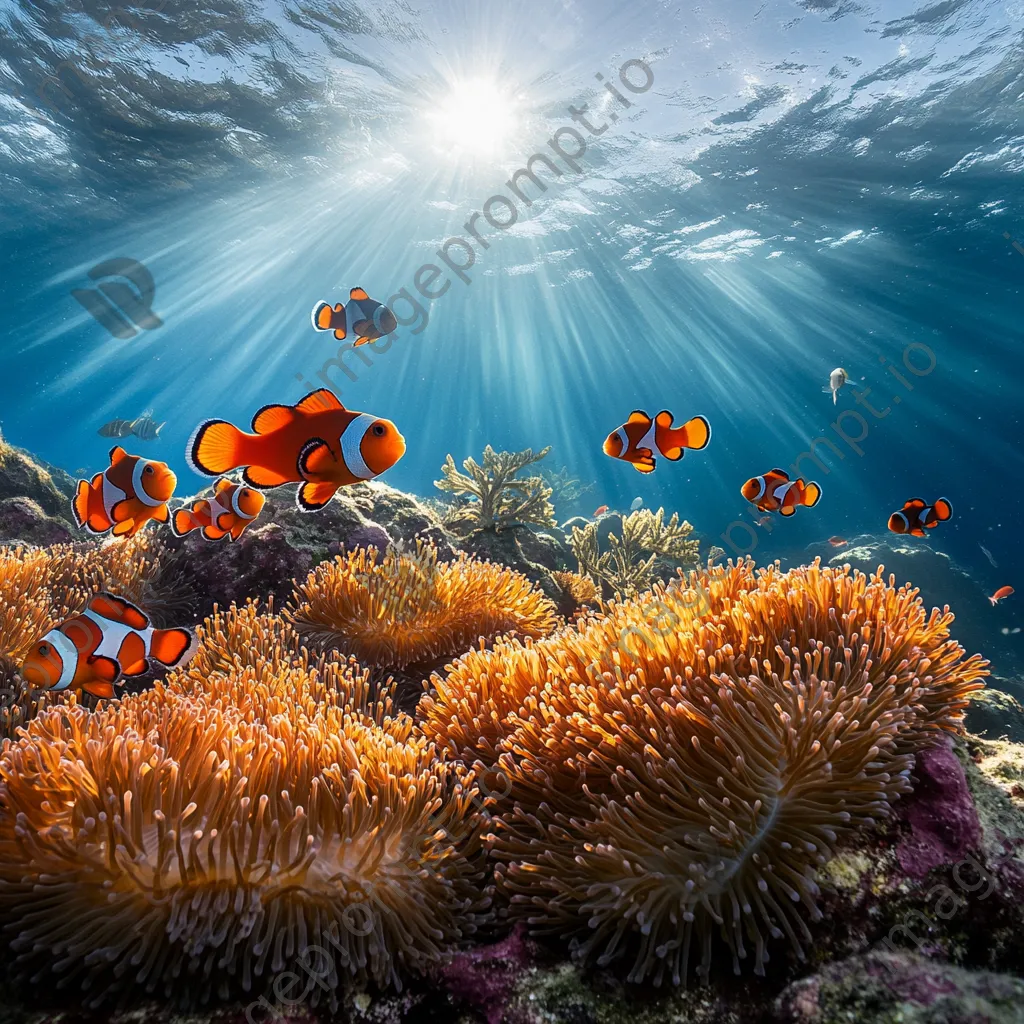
(198, 839)
(580, 589)
(405, 607)
(498, 497)
(628, 567)
(565, 489)
(680, 768)
(22, 476)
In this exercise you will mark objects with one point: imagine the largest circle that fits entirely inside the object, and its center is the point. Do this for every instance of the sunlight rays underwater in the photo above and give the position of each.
(590, 305)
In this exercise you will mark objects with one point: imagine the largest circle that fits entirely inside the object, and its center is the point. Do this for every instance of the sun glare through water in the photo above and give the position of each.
(476, 118)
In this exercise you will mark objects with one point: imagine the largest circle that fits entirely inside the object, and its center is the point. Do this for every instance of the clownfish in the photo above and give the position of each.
(129, 493)
(227, 514)
(915, 517)
(775, 492)
(366, 318)
(110, 639)
(317, 443)
(640, 438)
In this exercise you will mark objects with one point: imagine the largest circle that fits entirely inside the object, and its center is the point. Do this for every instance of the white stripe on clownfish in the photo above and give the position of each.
(761, 485)
(783, 490)
(68, 652)
(112, 494)
(139, 485)
(649, 440)
(114, 635)
(351, 439)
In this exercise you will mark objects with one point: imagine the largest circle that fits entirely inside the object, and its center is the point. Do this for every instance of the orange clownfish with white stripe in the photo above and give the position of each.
(110, 639)
(640, 439)
(916, 516)
(317, 443)
(775, 492)
(362, 316)
(124, 497)
(227, 514)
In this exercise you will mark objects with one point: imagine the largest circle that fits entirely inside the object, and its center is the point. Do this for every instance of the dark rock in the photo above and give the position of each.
(22, 519)
(879, 988)
(994, 714)
(262, 563)
(22, 476)
(941, 582)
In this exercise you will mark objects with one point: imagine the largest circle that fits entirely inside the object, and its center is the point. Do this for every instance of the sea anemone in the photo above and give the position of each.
(680, 768)
(406, 608)
(196, 844)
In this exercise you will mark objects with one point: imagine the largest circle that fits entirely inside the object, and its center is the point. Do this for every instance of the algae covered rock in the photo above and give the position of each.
(23, 520)
(24, 477)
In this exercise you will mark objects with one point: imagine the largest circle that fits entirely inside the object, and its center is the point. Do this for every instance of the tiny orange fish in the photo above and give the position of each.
(124, 497)
(317, 443)
(366, 318)
(227, 514)
(110, 639)
(916, 516)
(599, 511)
(838, 542)
(640, 439)
(775, 492)
(1000, 594)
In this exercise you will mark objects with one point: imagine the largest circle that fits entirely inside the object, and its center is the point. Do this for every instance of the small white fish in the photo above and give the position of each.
(988, 555)
(636, 503)
(836, 379)
(1006, 631)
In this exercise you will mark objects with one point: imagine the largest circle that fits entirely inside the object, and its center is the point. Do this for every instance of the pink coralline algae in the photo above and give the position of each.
(486, 977)
(941, 814)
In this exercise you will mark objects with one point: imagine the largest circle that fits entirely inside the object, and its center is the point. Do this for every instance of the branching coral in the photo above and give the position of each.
(628, 566)
(406, 608)
(565, 489)
(498, 497)
(679, 769)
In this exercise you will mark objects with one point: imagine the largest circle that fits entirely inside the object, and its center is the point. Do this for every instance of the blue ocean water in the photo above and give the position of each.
(768, 190)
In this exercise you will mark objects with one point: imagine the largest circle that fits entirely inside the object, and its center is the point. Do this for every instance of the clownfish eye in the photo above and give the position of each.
(148, 469)
(378, 429)
(44, 650)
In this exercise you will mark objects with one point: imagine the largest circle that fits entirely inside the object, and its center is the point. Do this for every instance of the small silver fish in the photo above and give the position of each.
(636, 503)
(988, 555)
(115, 428)
(836, 379)
(145, 428)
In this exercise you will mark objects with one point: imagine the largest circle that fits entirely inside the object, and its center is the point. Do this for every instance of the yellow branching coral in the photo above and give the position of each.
(628, 564)
(494, 495)
(680, 768)
(406, 608)
(188, 845)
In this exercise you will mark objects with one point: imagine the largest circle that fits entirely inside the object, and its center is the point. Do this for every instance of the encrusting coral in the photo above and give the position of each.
(677, 770)
(204, 836)
(497, 497)
(628, 566)
(581, 589)
(406, 608)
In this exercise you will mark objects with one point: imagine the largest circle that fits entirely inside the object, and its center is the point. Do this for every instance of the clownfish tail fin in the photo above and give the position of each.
(173, 647)
(943, 510)
(812, 494)
(183, 522)
(216, 447)
(80, 506)
(321, 316)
